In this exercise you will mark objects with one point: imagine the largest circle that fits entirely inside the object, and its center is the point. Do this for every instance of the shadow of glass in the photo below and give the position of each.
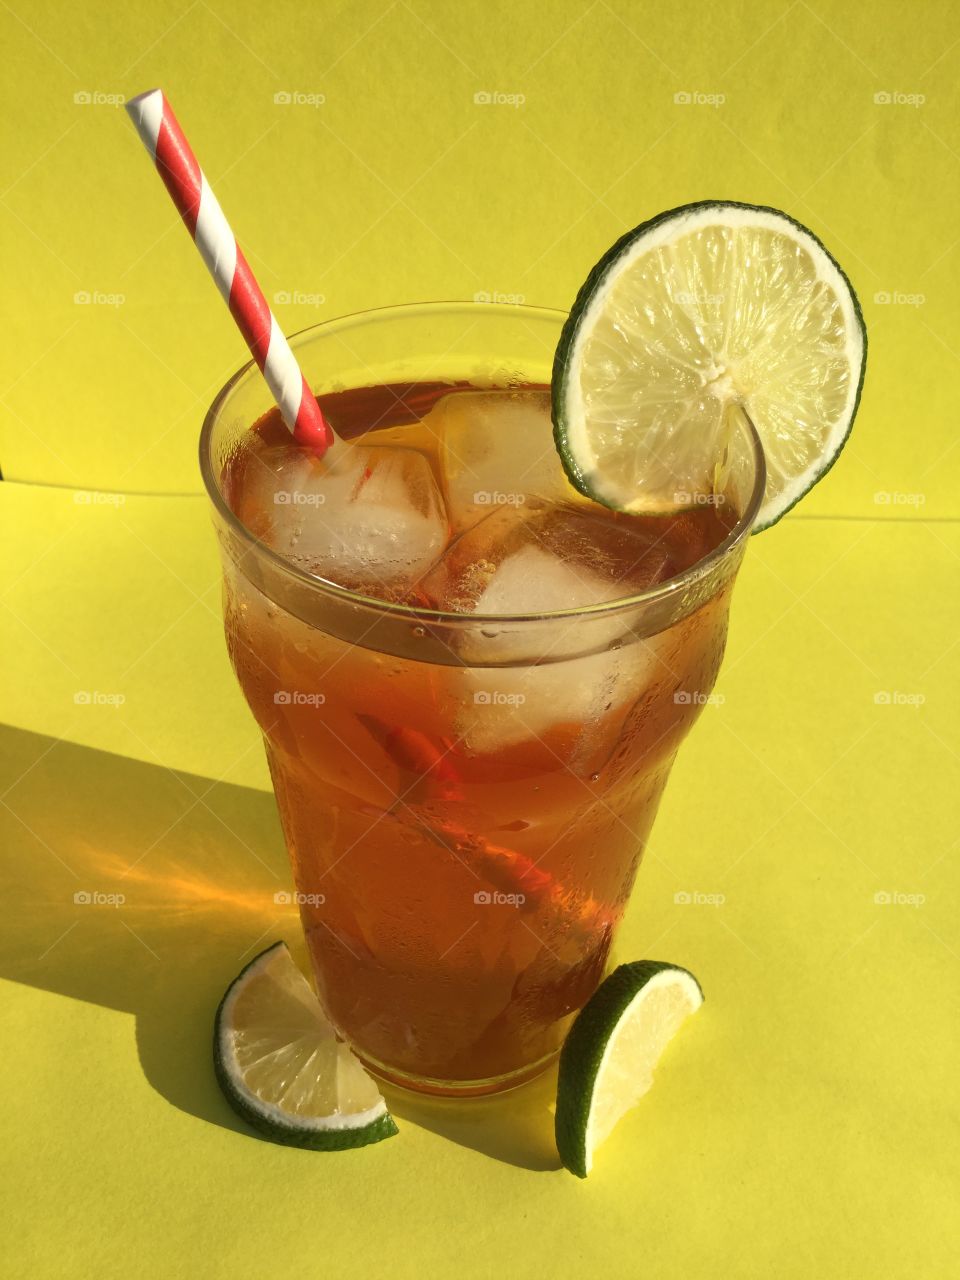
(141, 889)
(145, 890)
(514, 1127)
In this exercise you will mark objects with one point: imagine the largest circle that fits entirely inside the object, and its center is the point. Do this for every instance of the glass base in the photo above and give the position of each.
(457, 1088)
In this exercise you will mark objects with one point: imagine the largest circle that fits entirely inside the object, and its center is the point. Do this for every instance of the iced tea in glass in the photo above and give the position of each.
(471, 680)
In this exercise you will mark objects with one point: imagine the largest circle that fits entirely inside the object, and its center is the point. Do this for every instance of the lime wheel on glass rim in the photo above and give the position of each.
(706, 306)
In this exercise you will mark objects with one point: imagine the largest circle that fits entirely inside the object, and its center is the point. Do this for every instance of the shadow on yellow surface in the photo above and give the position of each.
(145, 890)
(141, 889)
(515, 1127)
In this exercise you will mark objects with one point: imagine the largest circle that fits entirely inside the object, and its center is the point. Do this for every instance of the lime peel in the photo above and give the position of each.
(608, 1059)
(282, 1068)
(709, 304)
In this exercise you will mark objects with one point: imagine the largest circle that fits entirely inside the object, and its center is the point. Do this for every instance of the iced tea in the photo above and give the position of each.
(465, 825)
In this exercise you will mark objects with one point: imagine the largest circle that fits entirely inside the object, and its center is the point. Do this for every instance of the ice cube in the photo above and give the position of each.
(369, 518)
(568, 702)
(497, 449)
(519, 561)
(532, 580)
(580, 673)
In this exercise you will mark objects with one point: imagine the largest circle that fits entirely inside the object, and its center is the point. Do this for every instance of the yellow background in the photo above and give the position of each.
(805, 1123)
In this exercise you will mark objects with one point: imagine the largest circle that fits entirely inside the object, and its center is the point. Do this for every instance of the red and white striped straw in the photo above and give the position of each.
(191, 193)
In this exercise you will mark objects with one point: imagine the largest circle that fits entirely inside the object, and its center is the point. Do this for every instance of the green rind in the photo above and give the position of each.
(583, 1051)
(289, 1135)
(561, 360)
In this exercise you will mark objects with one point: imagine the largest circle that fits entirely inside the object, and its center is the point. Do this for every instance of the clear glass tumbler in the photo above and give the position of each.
(465, 801)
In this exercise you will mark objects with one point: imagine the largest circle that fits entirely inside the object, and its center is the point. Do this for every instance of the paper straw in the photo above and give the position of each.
(191, 193)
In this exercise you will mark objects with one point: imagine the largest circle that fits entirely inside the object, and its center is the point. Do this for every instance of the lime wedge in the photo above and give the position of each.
(282, 1068)
(609, 1056)
(706, 306)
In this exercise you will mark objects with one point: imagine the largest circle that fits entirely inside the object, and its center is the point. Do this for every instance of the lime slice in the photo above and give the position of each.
(282, 1068)
(609, 1056)
(703, 307)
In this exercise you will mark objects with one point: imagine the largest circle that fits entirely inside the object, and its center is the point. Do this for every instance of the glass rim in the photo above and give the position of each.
(416, 613)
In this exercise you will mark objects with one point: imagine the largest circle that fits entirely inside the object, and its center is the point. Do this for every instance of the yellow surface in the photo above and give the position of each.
(805, 1123)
